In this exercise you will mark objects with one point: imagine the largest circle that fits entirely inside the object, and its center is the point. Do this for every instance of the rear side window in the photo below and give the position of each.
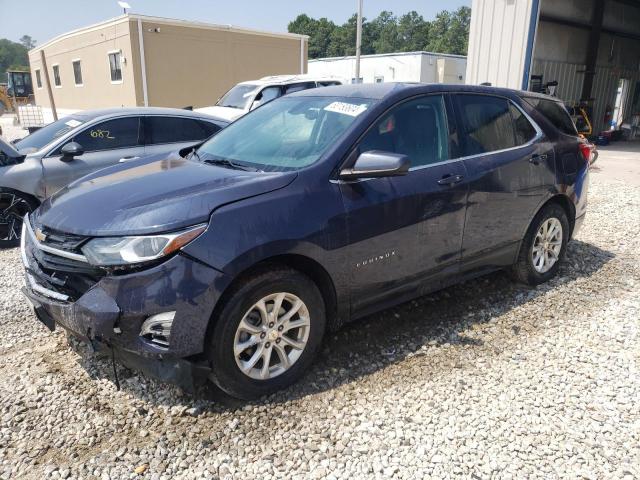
(417, 128)
(487, 125)
(116, 133)
(555, 113)
(297, 87)
(175, 129)
(525, 132)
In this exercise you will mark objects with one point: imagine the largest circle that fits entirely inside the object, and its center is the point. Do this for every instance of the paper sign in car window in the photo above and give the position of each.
(346, 108)
(72, 123)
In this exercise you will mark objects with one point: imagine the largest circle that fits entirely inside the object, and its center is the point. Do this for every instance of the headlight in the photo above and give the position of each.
(114, 251)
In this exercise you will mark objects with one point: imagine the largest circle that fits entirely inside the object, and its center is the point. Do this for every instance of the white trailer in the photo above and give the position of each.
(423, 67)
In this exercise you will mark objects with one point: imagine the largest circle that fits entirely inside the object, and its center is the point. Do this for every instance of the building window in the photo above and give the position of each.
(77, 72)
(38, 79)
(56, 76)
(115, 67)
(378, 79)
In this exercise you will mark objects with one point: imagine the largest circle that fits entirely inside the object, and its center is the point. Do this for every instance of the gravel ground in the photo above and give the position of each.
(486, 380)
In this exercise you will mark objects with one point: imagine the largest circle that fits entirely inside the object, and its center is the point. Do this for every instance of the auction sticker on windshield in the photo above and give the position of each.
(346, 108)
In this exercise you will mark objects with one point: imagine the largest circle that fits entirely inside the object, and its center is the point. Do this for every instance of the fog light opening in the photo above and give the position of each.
(157, 329)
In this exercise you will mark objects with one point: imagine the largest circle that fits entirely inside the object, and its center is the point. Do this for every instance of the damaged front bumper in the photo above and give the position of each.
(110, 315)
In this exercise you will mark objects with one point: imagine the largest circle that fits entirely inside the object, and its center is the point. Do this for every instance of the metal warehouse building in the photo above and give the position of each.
(138, 60)
(395, 67)
(590, 47)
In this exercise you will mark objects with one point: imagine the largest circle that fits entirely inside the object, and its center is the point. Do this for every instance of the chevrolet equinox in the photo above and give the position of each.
(228, 262)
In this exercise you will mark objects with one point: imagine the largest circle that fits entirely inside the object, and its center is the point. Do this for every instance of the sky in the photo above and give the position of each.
(45, 19)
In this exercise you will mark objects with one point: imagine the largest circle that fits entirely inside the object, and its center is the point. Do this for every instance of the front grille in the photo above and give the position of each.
(66, 276)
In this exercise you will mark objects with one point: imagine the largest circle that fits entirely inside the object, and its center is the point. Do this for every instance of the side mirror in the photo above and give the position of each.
(376, 164)
(70, 151)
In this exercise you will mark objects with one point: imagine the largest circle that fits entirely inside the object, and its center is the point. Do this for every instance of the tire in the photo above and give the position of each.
(227, 333)
(13, 207)
(524, 269)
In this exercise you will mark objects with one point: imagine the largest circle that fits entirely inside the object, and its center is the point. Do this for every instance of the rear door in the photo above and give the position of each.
(510, 168)
(105, 143)
(404, 230)
(166, 134)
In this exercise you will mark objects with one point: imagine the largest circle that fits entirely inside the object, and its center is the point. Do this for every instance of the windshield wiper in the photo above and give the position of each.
(224, 162)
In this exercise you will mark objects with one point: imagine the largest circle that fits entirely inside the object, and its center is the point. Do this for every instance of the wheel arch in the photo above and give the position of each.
(303, 264)
(558, 199)
(29, 196)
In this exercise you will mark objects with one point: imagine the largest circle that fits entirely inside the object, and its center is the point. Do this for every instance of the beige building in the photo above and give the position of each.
(139, 60)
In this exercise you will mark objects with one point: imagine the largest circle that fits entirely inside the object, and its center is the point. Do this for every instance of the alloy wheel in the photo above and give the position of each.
(547, 245)
(12, 210)
(271, 336)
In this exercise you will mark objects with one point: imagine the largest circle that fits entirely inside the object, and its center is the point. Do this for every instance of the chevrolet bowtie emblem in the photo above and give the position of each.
(40, 236)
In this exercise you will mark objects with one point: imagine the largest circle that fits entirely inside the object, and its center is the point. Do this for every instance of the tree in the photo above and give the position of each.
(319, 32)
(12, 56)
(413, 32)
(447, 33)
(384, 30)
(27, 42)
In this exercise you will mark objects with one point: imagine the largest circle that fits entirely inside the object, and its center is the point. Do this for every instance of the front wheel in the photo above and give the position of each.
(543, 247)
(13, 207)
(267, 333)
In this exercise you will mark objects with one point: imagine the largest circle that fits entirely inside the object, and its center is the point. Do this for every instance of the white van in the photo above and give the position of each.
(246, 96)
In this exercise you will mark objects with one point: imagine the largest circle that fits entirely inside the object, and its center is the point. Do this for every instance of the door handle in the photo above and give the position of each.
(450, 179)
(126, 159)
(536, 159)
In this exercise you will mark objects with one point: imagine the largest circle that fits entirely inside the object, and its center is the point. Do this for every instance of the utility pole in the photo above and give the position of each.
(358, 41)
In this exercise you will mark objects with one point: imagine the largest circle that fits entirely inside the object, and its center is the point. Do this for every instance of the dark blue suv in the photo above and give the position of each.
(230, 261)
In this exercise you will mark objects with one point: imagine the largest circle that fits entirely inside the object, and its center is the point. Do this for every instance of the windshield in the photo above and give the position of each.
(239, 96)
(51, 132)
(286, 134)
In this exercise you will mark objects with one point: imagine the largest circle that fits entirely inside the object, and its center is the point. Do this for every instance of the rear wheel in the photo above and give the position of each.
(13, 207)
(266, 334)
(543, 247)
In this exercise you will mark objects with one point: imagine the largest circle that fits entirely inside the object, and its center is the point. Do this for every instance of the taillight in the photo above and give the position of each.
(587, 151)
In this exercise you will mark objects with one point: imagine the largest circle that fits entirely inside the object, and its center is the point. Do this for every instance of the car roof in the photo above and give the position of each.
(379, 91)
(119, 111)
(285, 79)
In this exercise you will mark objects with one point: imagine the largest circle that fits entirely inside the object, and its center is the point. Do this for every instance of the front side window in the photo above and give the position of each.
(115, 66)
(38, 79)
(56, 76)
(111, 134)
(417, 128)
(77, 72)
(486, 123)
(239, 97)
(49, 133)
(287, 134)
(175, 129)
(267, 94)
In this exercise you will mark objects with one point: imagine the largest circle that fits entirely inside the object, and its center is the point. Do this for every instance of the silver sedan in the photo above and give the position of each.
(40, 164)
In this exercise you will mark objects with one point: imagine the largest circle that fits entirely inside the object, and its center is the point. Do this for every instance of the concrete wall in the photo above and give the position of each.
(498, 39)
(91, 47)
(398, 67)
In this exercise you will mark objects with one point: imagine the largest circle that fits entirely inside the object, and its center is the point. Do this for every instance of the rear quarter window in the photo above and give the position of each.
(555, 113)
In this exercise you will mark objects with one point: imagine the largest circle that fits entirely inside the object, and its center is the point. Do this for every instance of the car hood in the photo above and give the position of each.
(225, 113)
(151, 195)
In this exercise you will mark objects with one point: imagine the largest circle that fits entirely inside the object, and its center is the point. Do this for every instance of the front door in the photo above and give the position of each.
(405, 230)
(510, 166)
(106, 143)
